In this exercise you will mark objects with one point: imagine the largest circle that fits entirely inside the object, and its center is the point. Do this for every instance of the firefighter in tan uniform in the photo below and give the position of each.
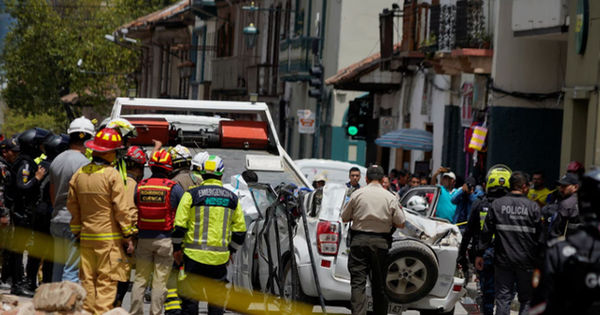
(102, 221)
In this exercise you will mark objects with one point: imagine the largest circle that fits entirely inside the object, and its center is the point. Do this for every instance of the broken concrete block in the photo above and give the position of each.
(23, 309)
(59, 297)
(117, 311)
(9, 301)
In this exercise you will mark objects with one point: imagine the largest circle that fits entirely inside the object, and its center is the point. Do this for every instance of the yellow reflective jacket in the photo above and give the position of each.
(98, 204)
(209, 223)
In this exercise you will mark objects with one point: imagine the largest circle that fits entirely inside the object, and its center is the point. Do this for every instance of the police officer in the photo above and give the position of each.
(497, 186)
(53, 146)
(208, 243)
(26, 192)
(373, 212)
(566, 218)
(515, 221)
(157, 199)
(5, 204)
(569, 279)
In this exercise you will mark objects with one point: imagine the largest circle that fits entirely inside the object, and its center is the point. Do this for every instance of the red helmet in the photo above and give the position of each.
(105, 140)
(575, 167)
(162, 158)
(136, 155)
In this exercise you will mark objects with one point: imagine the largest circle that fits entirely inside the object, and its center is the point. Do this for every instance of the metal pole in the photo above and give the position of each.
(317, 134)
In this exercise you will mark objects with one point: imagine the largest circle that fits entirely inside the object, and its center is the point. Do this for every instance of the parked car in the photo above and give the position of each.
(334, 171)
(428, 246)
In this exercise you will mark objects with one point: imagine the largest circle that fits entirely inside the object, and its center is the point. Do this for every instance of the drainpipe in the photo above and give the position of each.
(317, 135)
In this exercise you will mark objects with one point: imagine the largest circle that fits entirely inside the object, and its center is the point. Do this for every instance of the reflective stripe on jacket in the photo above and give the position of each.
(98, 204)
(209, 222)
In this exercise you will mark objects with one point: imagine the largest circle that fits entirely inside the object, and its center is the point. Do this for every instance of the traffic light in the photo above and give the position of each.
(316, 82)
(357, 120)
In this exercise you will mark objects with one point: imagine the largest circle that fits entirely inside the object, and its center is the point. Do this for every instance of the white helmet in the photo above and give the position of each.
(181, 155)
(417, 203)
(198, 161)
(82, 125)
(123, 126)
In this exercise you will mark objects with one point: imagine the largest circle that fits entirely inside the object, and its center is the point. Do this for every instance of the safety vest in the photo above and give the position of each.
(209, 214)
(485, 208)
(154, 204)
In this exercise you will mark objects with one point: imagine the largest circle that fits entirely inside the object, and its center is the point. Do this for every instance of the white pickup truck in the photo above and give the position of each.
(200, 126)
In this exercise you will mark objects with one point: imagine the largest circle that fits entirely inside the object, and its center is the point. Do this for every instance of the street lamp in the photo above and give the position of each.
(250, 34)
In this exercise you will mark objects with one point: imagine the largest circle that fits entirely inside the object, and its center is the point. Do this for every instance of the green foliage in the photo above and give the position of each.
(47, 40)
(15, 122)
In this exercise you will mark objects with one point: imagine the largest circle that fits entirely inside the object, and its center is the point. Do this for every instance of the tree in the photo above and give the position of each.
(48, 39)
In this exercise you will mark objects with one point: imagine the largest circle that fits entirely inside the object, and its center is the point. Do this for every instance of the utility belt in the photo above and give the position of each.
(385, 236)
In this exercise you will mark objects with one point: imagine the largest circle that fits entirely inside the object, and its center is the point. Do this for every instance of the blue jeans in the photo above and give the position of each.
(66, 253)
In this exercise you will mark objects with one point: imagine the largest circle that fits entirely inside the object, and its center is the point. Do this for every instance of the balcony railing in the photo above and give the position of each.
(262, 79)
(231, 73)
(295, 58)
(450, 26)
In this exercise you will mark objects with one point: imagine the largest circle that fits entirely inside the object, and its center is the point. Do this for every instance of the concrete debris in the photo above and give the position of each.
(23, 309)
(117, 311)
(59, 297)
(9, 301)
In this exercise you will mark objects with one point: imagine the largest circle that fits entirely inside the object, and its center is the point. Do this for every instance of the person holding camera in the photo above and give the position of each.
(463, 199)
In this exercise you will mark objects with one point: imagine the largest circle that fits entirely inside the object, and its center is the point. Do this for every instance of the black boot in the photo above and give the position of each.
(20, 290)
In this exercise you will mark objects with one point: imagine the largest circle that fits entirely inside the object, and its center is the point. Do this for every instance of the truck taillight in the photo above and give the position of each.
(328, 237)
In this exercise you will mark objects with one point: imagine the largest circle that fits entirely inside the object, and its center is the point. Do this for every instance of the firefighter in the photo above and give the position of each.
(210, 225)
(569, 280)
(182, 174)
(157, 199)
(26, 191)
(101, 219)
(135, 159)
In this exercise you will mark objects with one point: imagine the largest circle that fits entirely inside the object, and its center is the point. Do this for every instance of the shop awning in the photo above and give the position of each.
(407, 139)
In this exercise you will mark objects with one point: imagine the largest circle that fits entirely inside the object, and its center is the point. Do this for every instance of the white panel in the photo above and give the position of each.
(538, 14)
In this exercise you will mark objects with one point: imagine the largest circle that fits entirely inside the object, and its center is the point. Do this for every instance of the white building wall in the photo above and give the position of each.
(418, 121)
(536, 66)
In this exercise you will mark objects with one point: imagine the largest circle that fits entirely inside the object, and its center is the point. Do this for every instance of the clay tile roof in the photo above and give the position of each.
(356, 70)
(160, 15)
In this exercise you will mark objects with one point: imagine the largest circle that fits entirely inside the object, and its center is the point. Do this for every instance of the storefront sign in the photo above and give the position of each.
(306, 121)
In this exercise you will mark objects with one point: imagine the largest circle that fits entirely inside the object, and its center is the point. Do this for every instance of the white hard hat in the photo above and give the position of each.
(82, 124)
(417, 203)
(198, 161)
(123, 126)
(181, 156)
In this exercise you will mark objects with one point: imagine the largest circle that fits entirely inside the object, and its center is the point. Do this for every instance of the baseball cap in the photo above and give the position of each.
(320, 178)
(375, 172)
(569, 179)
(450, 174)
(10, 144)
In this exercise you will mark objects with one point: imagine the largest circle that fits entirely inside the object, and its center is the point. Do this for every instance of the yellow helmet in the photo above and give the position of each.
(498, 176)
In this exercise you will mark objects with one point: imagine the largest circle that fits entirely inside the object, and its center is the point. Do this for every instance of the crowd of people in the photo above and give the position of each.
(86, 190)
(524, 239)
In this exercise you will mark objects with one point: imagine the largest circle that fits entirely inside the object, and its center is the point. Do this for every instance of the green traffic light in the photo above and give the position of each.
(352, 130)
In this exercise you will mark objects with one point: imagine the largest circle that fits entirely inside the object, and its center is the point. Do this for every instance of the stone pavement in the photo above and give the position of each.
(256, 306)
